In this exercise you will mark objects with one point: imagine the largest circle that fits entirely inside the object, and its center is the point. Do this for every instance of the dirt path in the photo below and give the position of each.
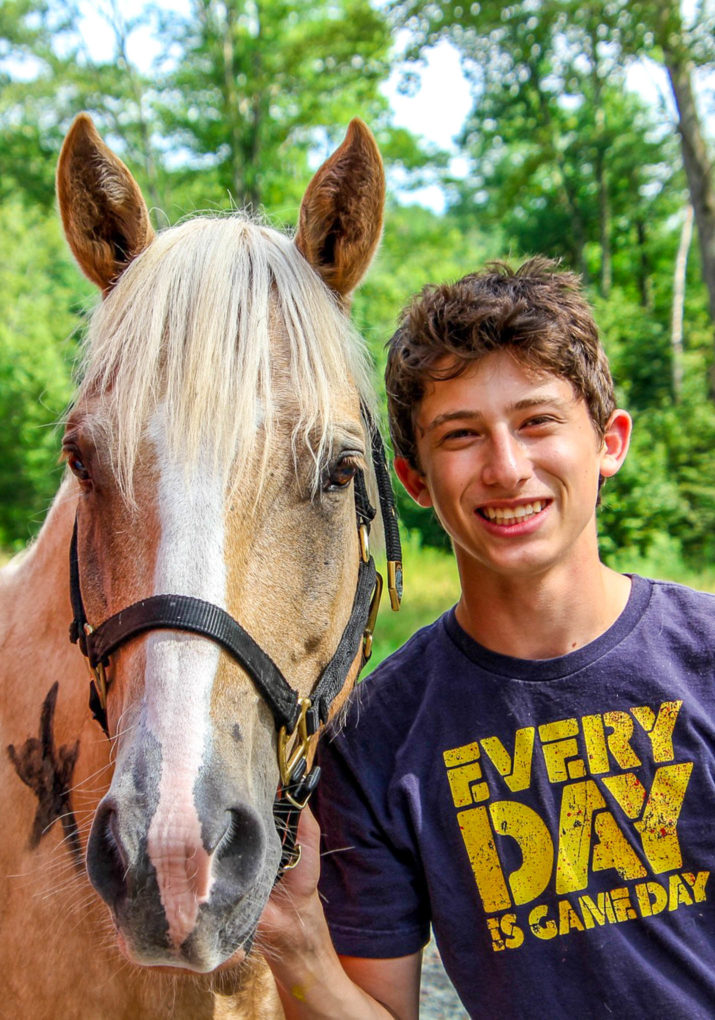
(438, 999)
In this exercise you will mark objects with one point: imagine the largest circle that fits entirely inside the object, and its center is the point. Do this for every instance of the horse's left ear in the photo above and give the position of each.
(105, 218)
(341, 214)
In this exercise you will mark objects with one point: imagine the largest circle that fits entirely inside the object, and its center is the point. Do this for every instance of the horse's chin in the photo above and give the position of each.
(178, 964)
(239, 957)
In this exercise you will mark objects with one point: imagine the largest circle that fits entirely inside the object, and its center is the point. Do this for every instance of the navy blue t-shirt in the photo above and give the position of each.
(554, 821)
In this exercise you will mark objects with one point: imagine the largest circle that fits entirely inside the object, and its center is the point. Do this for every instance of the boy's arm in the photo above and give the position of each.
(313, 982)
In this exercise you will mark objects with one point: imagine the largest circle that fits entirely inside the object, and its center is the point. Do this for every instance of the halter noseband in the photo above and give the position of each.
(297, 719)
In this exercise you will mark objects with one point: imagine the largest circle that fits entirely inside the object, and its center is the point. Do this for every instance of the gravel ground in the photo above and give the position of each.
(438, 999)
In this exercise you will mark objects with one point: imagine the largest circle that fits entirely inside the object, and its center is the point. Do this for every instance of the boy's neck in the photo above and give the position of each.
(545, 616)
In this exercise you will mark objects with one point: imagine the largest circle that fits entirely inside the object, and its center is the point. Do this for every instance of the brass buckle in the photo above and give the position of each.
(372, 617)
(97, 673)
(364, 536)
(394, 583)
(293, 746)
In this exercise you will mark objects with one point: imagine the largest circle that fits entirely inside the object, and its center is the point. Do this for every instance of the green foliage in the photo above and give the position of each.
(39, 292)
(431, 587)
(27, 86)
(418, 247)
(667, 485)
(563, 158)
(261, 86)
(248, 95)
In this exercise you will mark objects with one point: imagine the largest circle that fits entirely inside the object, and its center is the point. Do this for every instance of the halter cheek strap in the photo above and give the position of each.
(297, 719)
(187, 613)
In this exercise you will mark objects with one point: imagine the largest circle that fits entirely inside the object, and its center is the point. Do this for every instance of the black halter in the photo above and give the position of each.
(297, 719)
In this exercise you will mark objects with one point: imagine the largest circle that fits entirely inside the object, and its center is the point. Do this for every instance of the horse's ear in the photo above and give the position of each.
(341, 214)
(104, 215)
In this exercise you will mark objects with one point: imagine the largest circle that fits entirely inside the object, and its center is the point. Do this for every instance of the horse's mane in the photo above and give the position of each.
(188, 325)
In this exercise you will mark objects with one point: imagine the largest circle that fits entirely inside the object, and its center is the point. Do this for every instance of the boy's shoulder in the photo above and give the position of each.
(682, 592)
(401, 681)
(683, 599)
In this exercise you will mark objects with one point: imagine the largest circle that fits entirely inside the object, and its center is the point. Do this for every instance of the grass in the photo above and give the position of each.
(431, 586)
(663, 561)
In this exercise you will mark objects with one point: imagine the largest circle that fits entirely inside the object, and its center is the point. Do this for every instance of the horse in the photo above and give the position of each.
(216, 453)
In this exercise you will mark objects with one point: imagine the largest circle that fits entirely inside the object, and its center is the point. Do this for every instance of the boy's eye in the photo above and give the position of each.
(459, 434)
(539, 419)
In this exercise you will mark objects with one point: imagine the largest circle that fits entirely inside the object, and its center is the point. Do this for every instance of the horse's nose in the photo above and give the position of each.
(165, 878)
(107, 862)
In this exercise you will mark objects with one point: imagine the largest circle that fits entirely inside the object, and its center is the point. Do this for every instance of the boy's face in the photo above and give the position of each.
(510, 460)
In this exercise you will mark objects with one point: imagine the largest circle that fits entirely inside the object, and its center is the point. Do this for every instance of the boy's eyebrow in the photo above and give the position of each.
(538, 400)
(450, 416)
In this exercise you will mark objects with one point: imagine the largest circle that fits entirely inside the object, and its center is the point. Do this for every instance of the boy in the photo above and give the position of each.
(534, 774)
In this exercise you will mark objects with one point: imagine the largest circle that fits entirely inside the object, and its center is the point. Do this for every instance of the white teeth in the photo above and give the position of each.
(508, 515)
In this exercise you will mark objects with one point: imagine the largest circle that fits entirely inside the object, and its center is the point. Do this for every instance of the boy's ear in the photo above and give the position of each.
(616, 440)
(413, 481)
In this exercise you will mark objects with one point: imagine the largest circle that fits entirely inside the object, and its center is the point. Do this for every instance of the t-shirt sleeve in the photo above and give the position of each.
(372, 888)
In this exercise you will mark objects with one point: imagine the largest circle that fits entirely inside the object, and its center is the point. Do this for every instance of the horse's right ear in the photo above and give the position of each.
(341, 214)
(105, 218)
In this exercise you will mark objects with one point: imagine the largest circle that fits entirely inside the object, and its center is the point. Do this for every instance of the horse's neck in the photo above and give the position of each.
(45, 563)
(35, 612)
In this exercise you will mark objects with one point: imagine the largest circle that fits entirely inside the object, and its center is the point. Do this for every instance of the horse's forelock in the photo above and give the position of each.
(190, 325)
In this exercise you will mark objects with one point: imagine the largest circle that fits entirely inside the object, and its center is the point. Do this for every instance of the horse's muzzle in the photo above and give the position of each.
(180, 896)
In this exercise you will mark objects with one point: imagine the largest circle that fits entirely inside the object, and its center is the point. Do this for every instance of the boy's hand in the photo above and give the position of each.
(295, 898)
(312, 982)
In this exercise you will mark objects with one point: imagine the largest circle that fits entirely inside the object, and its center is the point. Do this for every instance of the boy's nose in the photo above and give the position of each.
(506, 465)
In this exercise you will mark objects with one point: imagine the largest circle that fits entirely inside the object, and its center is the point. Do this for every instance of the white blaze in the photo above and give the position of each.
(180, 672)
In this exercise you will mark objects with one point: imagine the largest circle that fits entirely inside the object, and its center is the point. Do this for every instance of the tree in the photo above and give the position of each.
(28, 65)
(538, 66)
(48, 74)
(252, 89)
(656, 27)
(41, 294)
(563, 156)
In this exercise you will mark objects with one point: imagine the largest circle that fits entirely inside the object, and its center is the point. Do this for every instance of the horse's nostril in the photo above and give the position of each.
(106, 858)
(240, 851)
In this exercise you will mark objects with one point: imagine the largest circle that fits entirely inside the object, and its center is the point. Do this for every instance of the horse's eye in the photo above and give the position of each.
(342, 471)
(77, 466)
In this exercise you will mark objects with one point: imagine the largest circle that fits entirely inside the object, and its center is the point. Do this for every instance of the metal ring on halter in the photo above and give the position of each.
(293, 858)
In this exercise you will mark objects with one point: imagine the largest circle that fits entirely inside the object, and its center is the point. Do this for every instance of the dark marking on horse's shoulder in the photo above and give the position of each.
(236, 733)
(47, 770)
(311, 644)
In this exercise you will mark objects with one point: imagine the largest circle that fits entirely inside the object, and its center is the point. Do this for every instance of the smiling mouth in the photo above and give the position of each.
(512, 514)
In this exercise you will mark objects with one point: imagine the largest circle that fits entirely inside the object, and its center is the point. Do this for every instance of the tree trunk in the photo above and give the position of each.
(698, 170)
(604, 225)
(600, 168)
(579, 233)
(231, 104)
(676, 332)
(697, 163)
(253, 167)
(645, 287)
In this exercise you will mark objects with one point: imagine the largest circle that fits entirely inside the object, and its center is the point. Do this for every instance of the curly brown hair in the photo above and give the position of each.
(537, 311)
